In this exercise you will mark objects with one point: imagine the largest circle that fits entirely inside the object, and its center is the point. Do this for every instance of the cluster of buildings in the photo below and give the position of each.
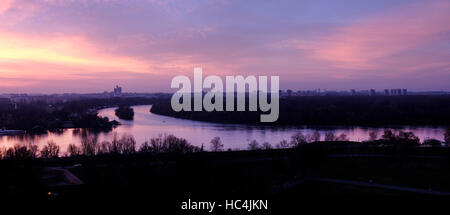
(395, 92)
(386, 92)
(315, 92)
(351, 92)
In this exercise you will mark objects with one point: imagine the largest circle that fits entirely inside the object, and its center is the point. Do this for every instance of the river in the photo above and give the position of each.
(147, 125)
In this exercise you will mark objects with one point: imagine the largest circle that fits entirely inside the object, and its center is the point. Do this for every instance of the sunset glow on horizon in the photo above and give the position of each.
(56, 46)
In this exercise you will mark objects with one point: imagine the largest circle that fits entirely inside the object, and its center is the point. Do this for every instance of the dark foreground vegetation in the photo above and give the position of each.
(167, 170)
(125, 112)
(283, 176)
(37, 116)
(336, 110)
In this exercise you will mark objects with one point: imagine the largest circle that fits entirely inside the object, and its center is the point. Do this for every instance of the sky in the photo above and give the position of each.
(58, 46)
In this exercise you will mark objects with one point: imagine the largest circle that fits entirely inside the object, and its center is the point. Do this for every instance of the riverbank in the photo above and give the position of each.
(373, 111)
(40, 117)
(147, 125)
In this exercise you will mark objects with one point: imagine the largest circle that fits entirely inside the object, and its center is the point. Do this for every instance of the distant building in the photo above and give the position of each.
(393, 92)
(117, 91)
(352, 92)
(371, 92)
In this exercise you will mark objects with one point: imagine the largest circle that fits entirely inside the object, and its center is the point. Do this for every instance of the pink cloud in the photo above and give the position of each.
(379, 42)
(5, 5)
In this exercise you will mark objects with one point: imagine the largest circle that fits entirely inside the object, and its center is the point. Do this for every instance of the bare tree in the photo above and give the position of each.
(283, 145)
(73, 150)
(145, 148)
(128, 144)
(169, 143)
(116, 145)
(266, 146)
(157, 144)
(315, 137)
(21, 152)
(253, 145)
(373, 135)
(329, 136)
(388, 135)
(216, 144)
(298, 139)
(33, 150)
(9, 153)
(51, 150)
(104, 147)
(2, 152)
(89, 145)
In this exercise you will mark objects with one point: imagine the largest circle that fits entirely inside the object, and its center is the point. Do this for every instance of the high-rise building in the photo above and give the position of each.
(371, 92)
(393, 92)
(117, 91)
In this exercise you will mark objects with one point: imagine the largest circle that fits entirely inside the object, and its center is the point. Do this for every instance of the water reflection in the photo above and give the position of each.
(147, 125)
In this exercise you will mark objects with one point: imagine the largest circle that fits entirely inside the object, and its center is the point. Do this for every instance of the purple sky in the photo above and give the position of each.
(90, 46)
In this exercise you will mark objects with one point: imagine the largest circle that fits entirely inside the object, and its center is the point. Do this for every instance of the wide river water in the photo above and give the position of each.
(147, 125)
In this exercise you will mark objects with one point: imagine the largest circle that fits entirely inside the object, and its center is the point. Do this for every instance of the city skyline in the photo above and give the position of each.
(64, 46)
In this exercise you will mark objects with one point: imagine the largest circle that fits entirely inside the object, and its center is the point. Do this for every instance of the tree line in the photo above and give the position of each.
(335, 110)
